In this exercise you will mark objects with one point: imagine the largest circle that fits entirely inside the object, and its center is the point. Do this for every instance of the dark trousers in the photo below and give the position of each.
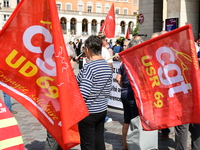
(91, 131)
(181, 135)
(129, 105)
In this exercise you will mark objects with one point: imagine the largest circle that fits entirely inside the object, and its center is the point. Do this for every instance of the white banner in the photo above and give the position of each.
(115, 94)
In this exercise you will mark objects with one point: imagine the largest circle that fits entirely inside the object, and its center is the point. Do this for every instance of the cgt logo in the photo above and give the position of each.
(110, 17)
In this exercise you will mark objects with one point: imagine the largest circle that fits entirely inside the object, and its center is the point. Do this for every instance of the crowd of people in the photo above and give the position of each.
(95, 57)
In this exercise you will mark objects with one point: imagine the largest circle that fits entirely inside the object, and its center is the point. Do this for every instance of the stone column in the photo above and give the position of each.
(89, 28)
(79, 28)
(117, 26)
(68, 28)
(98, 27)
(152, 12)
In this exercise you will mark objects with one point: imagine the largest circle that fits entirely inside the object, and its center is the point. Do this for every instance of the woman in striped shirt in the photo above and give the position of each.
(94, 80)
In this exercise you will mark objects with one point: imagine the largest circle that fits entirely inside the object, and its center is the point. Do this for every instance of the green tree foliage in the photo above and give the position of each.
(121, 39)
(135, 31)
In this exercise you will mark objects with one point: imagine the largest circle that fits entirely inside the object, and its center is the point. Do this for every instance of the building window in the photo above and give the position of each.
(68, 6)
(63, 22)
(125, 11)
(101, 23)
(122, 24)
(94, 27)
(135, 2)
(6, 3)
(135, 13)
(130, 25)
(80, 7)
(125, 0)
(58, 6)
(117, 11)
(89, 8)
(84, 27)
(17, 1)
(5, 17)
(98, 10)
(117, 0)
(73, 26)
(107, 8)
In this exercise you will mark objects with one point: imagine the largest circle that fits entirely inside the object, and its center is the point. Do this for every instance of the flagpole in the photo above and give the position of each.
(112, 57)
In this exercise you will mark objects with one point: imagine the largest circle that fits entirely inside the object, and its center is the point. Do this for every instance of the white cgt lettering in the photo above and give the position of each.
(30, 32)
(48, 52)
(163, 73)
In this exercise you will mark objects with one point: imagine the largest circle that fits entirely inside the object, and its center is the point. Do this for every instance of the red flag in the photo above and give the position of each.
(108, 27)
(10, 134)
(128, 33)
(35, 70)
(164, 74)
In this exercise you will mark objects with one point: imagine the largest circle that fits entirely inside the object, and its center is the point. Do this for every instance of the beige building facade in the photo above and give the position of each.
(81, 18)
(157, 12)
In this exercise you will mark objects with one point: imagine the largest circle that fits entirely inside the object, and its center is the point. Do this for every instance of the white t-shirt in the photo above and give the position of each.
(106, 55)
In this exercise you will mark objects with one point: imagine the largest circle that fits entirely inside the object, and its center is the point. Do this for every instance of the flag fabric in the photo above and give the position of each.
(164, 74)
(10, 138)
(35, 70)
(108, 27)
(128, 33)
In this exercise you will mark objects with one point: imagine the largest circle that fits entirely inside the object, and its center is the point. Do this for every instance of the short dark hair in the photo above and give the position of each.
(118, 42)
(94, 44)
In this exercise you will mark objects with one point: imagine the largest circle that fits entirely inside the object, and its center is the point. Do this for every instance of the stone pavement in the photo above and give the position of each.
(34, 134)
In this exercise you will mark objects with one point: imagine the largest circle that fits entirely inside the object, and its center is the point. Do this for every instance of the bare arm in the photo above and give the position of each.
(119, 79)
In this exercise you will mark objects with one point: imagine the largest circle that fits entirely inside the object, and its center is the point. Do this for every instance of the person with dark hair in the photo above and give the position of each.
(127, 96)
(110, 43)
(80, 59)
(78, 46)
(106, 53)
(94, 80)
(118, 47)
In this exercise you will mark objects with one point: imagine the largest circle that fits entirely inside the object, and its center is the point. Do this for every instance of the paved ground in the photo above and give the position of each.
(34, 134)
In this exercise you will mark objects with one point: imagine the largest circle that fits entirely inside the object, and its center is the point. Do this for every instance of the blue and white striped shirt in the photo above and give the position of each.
(94, 80)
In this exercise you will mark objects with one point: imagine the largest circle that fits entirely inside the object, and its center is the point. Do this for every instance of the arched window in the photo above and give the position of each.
(131, 25)
(94, 26)
(84, 27)
(102, 21)
(122, 24)
(63, 22)
(73, 26)
(6, 3)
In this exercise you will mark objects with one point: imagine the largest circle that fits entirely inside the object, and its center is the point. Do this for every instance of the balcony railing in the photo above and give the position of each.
(73, 12)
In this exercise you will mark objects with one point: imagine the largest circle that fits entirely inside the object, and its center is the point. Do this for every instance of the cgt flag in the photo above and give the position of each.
(128, 33)
(108, 27)
(164, 74)
(35, 70)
